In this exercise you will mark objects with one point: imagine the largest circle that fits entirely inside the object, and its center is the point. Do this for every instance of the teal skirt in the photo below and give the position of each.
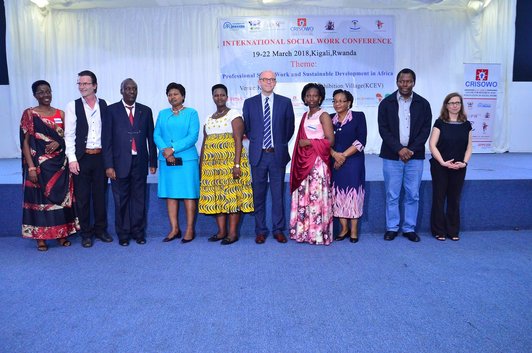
(179, 182)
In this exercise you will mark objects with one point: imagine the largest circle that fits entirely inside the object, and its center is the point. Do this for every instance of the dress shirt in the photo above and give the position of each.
(94, 120)
(404, 118)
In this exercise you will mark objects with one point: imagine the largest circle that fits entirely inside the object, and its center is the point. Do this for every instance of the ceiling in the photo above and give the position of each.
(270, 4)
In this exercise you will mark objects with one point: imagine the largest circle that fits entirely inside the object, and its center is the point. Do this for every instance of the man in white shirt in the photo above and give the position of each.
(83, 131)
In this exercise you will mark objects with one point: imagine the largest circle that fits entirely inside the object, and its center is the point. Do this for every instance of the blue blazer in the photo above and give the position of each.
(282, 128)
(117, 134)
(180, 132)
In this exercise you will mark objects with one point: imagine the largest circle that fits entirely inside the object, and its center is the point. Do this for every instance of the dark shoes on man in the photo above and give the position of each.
(390, 235)
(412, 236)
(280, 237)
(105, 237)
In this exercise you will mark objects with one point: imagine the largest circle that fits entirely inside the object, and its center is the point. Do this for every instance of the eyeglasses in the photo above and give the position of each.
(454, 103)
(338, 102)
(269, 80)
(84, 84)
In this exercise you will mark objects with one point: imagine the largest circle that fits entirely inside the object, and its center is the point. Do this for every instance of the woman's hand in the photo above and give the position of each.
(167, 152)
(236, 172)
(450, 164)
(304, 143)
(32, 175)
(339, 157)
(51, 147)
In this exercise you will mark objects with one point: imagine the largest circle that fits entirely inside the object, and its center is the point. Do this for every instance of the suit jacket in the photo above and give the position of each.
(420, 123)
(82, 126)
(282, 127)
(117, 134)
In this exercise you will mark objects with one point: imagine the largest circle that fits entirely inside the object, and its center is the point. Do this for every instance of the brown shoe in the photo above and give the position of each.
(260, 239)
(280, 238)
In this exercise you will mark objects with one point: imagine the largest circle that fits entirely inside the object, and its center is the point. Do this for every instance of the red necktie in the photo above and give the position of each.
(133, 145)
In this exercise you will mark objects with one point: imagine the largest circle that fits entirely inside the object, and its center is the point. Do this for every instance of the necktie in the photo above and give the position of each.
(133, 145)
(267, 125)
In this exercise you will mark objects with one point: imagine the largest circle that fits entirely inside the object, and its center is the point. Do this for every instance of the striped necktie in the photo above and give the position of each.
(267, 125)
(133, 145)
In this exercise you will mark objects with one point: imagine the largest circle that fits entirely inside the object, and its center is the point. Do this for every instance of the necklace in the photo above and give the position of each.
(176, 111)
(218, 114)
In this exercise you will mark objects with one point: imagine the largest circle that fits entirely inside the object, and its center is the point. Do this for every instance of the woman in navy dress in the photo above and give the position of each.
(348, 172)
(176, 133)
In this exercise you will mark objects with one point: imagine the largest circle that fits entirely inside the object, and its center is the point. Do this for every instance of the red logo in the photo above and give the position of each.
(379, 24)
(482, 75)
(302, 22)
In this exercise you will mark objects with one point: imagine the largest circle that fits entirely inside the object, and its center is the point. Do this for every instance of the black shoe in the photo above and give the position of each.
(229, 241)
(215, 238)
(105, 237)
(123, 242)
(339, 237)
(390, 235)
(188, 240)
(141, 241)
(412, 236)
(86, 242)
(353, 240)
(176, 236)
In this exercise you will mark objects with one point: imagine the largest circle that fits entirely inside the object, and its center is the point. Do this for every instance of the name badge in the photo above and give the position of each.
(58, 121)
(312, 127)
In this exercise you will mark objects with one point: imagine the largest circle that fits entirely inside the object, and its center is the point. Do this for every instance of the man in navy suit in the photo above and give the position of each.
(128, 147)
(269, 122)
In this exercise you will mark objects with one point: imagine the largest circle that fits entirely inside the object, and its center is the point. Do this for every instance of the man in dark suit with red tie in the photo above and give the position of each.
(128, 148)
(269, 123)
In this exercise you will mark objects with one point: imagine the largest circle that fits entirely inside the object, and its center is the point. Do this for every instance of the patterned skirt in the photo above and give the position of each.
(311, 208)
(219, 192)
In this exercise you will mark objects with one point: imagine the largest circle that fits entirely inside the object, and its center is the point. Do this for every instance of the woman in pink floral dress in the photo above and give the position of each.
(310, 177)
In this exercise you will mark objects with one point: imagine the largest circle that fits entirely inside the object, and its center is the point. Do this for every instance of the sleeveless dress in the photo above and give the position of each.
(311, 218)
(219, 192)
(47, 211)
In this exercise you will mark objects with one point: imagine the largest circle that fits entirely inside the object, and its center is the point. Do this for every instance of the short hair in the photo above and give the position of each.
(124, 83)
(37, 84)
(219, 85)
(406, 71)
(444, 113)
(318, 86)
(94, 80)
(347, 95)
(177, 86)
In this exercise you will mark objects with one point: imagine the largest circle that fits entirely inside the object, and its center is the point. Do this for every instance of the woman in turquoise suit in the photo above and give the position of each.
(176, 134)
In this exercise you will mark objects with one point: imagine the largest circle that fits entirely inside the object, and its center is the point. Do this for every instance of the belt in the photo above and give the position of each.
(268, 150)
(93, 151)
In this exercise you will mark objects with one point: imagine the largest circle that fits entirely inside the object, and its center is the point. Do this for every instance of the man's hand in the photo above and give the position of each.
(74, 167)
(405, 154)
(111, 174)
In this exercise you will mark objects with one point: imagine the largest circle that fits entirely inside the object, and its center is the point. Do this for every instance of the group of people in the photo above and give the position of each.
(69, 157)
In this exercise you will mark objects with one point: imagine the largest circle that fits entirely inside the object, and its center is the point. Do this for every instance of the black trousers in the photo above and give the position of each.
(91, 184)
(129, 196)
(446, 186)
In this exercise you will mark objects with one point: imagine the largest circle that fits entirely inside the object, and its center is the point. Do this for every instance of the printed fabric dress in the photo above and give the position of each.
(219, 192)
(47, 211)
(348, 181)
(311, 206)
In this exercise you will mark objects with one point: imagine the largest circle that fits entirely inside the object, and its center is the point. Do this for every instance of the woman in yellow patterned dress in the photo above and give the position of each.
(225, 187)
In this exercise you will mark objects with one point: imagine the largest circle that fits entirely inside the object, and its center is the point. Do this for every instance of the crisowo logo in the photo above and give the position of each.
(230, 25)
(302, 26)
(355, 26)
(481, 74)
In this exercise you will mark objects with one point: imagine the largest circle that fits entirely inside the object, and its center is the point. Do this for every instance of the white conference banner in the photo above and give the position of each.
(481, 83)
(354, 53)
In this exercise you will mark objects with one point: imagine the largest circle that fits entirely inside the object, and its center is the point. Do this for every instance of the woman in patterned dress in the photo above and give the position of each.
(348, 170)
(311, 206)
(176, 133)
(48, 211)
(225, 187)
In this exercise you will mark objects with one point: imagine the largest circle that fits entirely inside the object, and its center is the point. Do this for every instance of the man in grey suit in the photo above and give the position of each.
(269, 123)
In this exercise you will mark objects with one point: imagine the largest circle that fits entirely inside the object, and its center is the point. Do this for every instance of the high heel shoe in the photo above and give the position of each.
(168, 238)
(341, 237)
(188, 240)
(215, 238)
(353, 240)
